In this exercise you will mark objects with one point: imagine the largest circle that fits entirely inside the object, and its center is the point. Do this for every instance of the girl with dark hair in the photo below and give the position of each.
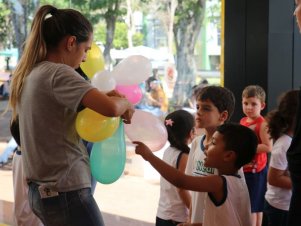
(281, 123)
(174, 203)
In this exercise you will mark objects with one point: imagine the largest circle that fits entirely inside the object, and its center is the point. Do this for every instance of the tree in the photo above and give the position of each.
(189, 16)
(112, 12)
(5, 30)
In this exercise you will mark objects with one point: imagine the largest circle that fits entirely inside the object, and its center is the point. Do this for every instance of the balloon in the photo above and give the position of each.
(107, 159)
(147, 128)
(94, 61)
(93, 127)
(132, 70)
(103, 81)
(132, 92)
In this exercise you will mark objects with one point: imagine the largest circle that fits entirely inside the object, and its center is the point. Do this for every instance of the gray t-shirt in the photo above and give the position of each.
(52, 150)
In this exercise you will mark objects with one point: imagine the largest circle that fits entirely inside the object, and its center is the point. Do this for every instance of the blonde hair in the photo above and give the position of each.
(49, 27)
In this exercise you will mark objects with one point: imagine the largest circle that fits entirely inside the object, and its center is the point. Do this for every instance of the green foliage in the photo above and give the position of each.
(138, 39)
(58, 4)
(214, 13)
(120, 40)
(4, 24)
(100, 32)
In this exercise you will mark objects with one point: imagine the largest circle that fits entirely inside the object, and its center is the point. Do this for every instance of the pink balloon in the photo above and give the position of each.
(147, 128)
(132, 92)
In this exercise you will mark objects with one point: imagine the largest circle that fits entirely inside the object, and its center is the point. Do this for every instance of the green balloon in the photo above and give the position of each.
(107, 160)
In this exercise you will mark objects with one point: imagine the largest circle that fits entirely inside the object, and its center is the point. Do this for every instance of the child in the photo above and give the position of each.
(253, 102)
(281, 124)
(227, 201)
(215, 106)
(23, 214)
(174, 202)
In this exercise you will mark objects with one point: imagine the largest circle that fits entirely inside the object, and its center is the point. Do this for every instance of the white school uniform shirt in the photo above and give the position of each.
(234, 209)
(171, 206)
(275, 196)
(195, 167)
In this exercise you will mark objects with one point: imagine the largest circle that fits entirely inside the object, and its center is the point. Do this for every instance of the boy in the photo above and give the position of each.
(227, 201)
(215, 106)
(253, 102)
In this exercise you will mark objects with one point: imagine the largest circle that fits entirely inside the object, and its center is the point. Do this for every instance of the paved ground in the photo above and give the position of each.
(130, 201)
(4, 122)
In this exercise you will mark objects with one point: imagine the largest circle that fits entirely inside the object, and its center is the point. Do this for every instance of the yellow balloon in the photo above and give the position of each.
(94, 127)
(94, 61)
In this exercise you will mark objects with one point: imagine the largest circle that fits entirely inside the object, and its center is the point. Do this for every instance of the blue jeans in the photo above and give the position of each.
(74, 208)
(276, 217)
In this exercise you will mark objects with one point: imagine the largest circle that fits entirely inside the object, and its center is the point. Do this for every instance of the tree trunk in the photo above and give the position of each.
(110, 26)
(172, 9)
(129, 22)
(186, 32)
(19, 19)
(110, 17)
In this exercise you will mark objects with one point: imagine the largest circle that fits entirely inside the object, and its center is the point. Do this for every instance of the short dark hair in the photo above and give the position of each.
(222, 98)
(240, 139)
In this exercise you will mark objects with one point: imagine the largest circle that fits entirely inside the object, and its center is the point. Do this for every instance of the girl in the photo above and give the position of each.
(46, 93)
(281, 124)
(174, 202)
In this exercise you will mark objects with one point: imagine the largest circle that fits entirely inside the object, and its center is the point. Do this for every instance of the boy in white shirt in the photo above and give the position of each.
(227, 201)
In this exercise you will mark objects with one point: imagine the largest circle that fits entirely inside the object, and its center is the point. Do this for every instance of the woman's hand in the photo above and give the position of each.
(127, 116)
(115, 93)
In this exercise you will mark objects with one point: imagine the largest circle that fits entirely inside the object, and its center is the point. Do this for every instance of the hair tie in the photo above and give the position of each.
(53, 11)
(169, 122)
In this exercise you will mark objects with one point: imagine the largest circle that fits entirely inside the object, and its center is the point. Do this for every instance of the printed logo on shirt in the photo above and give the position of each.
(202, 170)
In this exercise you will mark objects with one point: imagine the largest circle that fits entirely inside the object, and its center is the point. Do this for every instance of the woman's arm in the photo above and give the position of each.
(110, 106)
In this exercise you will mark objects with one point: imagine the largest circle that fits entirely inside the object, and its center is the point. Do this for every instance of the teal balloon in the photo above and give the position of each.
(107, 159)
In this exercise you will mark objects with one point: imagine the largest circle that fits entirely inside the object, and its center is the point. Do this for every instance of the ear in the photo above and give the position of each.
(224, 116)
(229, 156)
(263, 105)
(71, 42)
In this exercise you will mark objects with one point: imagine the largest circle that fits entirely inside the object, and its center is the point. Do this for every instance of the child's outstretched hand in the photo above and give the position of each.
(142, 149)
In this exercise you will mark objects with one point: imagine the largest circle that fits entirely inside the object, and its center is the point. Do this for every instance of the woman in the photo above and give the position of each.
(46, 93)
(294, 154)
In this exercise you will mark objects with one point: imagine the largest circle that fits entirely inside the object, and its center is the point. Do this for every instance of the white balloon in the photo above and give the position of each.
(132, 70)
(104, 81)
(147, 128)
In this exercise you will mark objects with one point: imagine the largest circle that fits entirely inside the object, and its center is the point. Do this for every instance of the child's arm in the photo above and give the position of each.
(266, 141)
(279, 178)
(184, 194)
(212, 184)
